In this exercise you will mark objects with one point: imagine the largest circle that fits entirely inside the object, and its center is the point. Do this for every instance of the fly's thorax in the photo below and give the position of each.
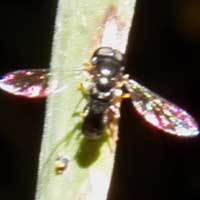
(106, 90)
(108, 67)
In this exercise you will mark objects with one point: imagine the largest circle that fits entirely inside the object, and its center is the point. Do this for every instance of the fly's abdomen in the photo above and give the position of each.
(93, 125)
(94, 121)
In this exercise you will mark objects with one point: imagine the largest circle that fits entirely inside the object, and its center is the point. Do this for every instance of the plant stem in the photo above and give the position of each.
(81, 27)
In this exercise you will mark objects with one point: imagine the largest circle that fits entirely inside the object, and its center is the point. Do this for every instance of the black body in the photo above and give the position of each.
(93, 123)
(107, 71)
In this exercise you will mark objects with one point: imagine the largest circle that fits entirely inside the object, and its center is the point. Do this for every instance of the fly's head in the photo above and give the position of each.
(108, 67)
(108, 62)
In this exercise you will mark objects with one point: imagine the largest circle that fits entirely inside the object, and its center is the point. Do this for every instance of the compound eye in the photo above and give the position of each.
(102, 52)
(119, 56)
(105, 51)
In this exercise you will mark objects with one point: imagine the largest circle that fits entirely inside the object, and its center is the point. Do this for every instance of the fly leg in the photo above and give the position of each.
(85, 96)
(112, 119)
(85, 87)
(112, 114)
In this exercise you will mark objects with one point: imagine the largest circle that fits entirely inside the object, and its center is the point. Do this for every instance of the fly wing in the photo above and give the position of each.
(161, 113)
(32, 83)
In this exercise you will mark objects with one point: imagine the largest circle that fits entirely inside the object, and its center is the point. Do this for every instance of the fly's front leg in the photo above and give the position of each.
(85, 95)
(85, 87)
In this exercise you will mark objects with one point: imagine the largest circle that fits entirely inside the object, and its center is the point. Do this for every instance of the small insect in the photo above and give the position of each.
(61, 164)
(108, 86)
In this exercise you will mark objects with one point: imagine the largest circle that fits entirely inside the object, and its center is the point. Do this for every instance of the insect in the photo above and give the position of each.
(61, 164)
(108, 86)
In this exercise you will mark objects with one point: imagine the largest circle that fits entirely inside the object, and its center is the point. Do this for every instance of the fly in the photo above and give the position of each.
(109, 85)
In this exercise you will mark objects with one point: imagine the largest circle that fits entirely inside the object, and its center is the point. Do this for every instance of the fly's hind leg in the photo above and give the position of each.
(112, 119)
(112, 116)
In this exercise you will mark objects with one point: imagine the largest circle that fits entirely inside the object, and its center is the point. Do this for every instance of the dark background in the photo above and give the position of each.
(163, 53)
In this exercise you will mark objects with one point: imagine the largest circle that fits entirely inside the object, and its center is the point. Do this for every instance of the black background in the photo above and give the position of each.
(163, 54)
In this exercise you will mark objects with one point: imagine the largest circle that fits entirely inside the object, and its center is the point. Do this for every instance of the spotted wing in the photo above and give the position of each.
(161, 113)
(32, 83)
